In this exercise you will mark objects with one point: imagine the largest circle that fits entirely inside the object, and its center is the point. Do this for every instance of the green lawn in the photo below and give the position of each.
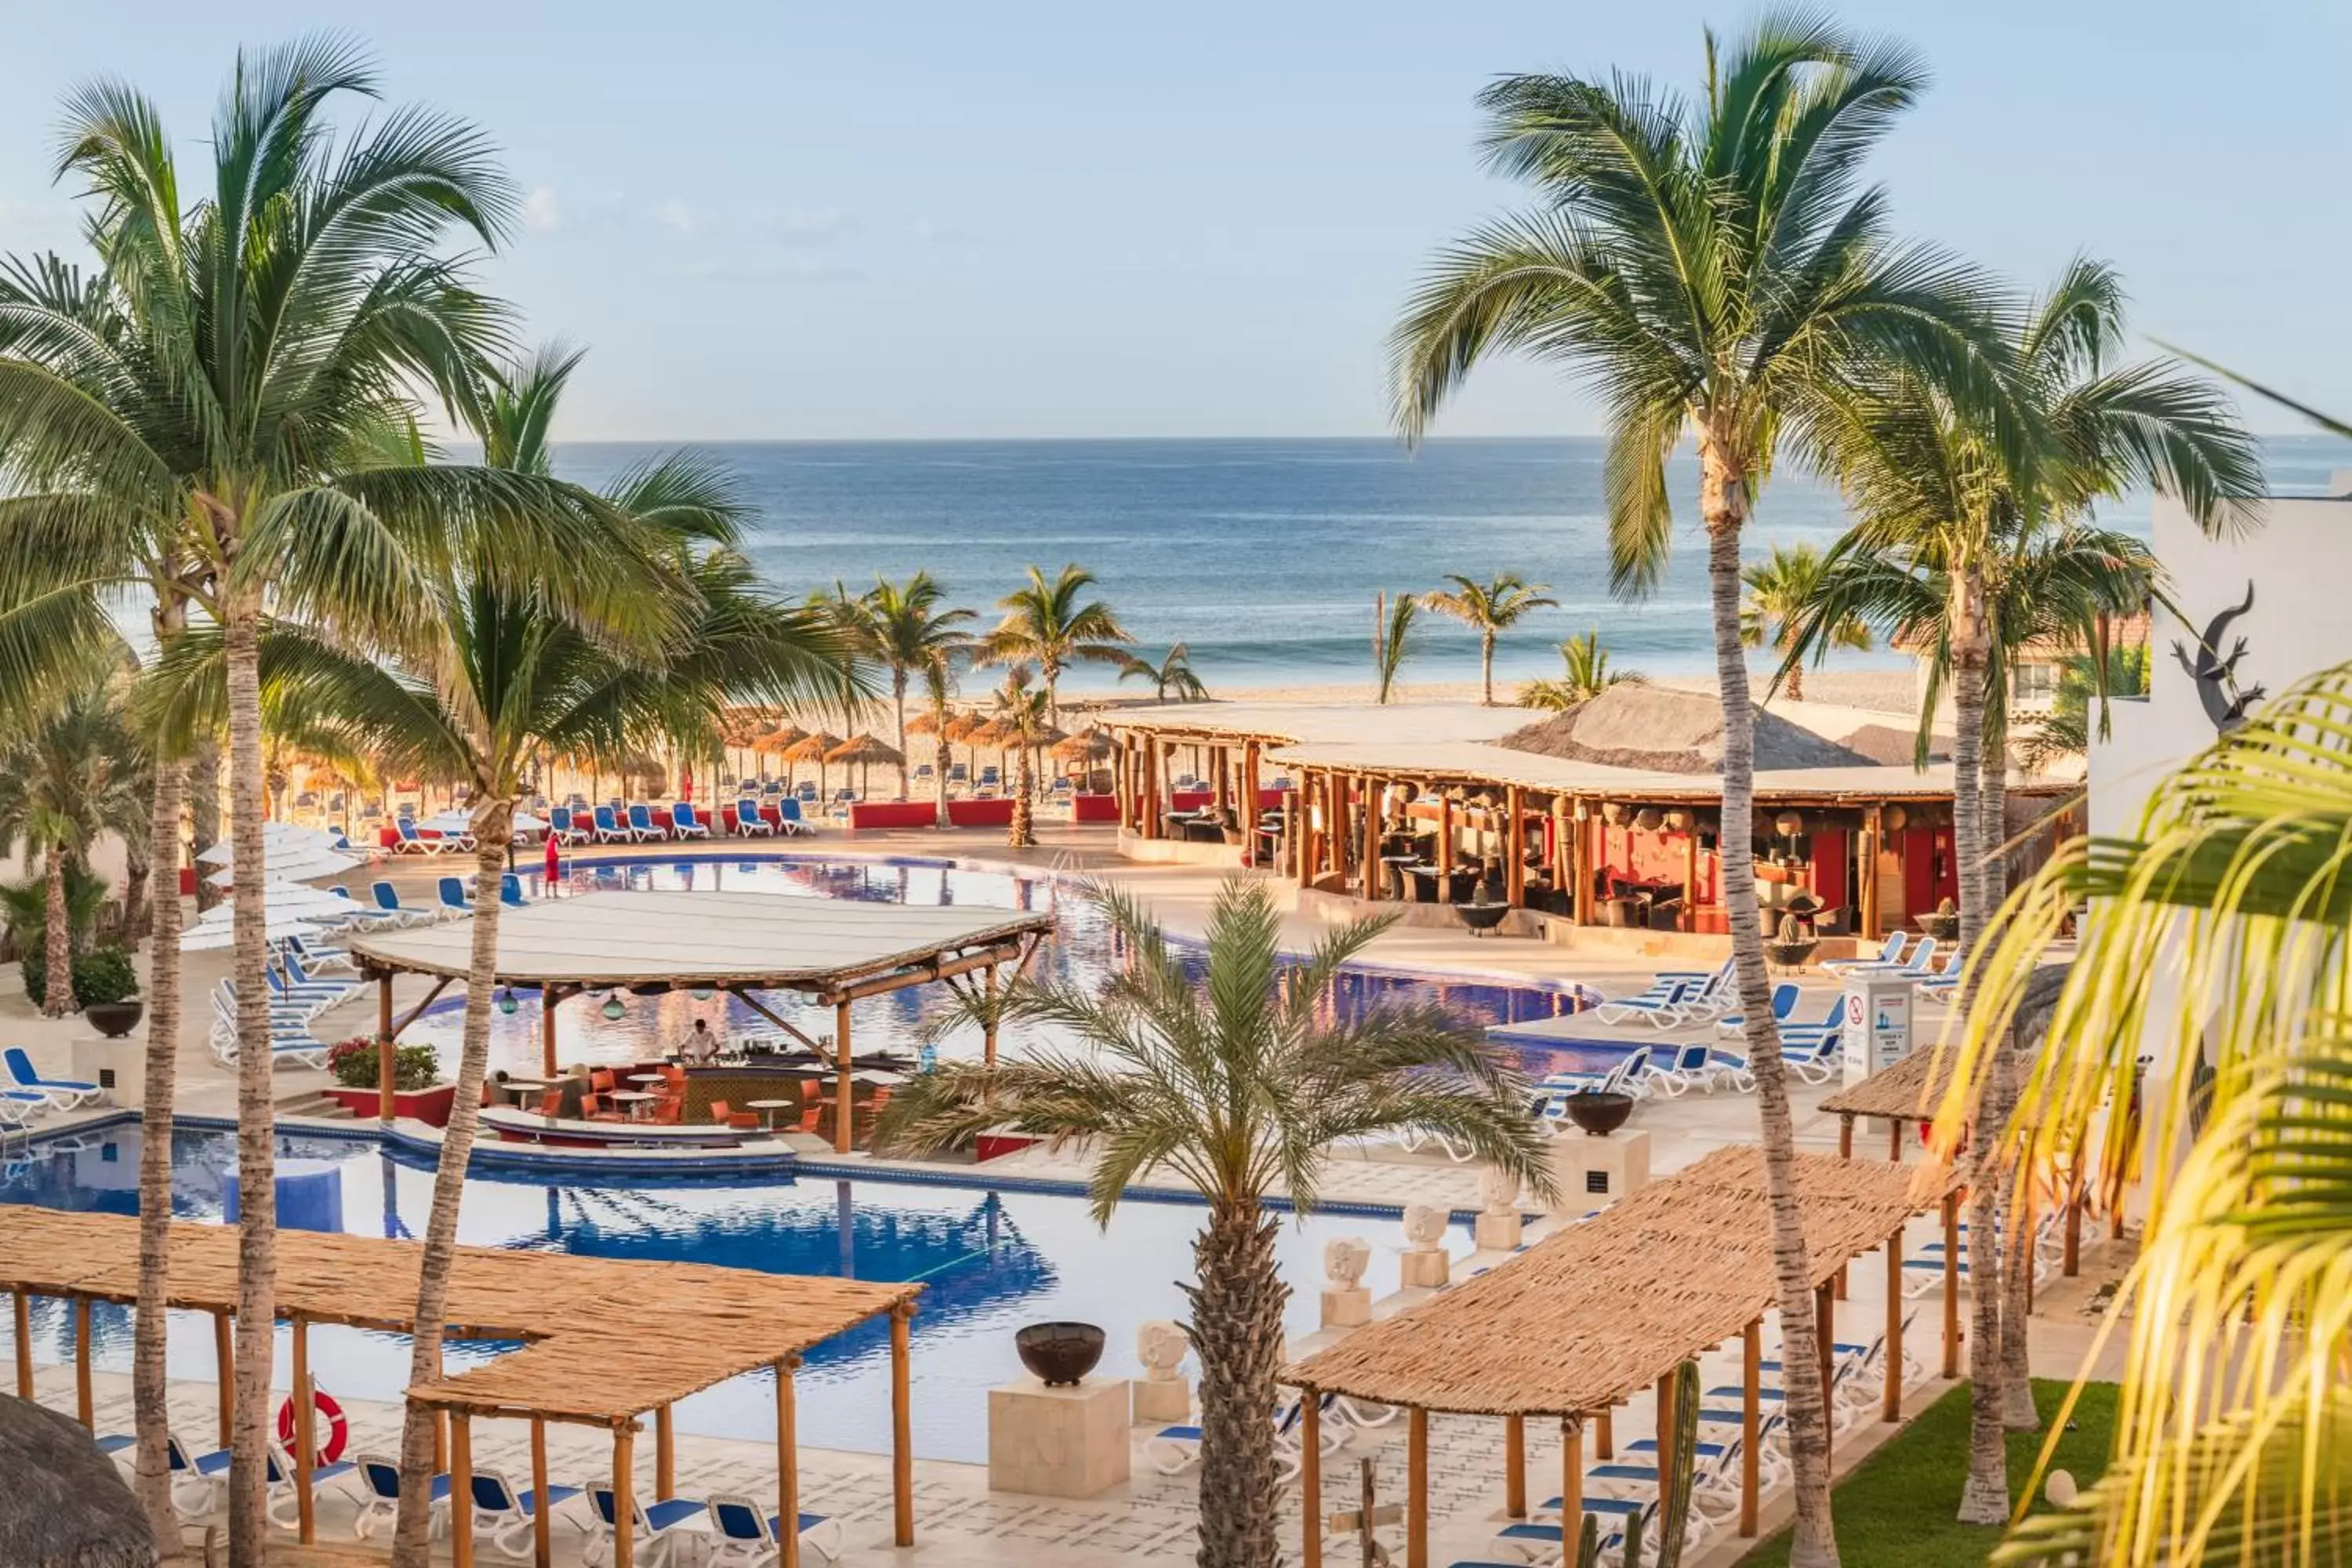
(1897, 1511)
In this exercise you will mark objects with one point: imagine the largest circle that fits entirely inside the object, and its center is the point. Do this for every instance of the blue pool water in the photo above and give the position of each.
(991, 1260)
(1083, 950)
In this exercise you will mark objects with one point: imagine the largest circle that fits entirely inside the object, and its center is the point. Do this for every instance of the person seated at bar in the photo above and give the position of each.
(699, 1046)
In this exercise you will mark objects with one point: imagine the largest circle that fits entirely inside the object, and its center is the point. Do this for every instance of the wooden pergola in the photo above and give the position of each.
(1605, 1308)
(587, 1356)
(834, 951)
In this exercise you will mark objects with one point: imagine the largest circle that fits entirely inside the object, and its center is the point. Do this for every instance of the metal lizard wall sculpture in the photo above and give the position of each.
(2217, 678)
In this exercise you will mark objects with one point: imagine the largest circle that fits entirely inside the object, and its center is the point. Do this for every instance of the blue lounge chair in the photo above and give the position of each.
(608, 826)
(789, 818)
(748, 823)
(651, 1529)
(642, 826)
(62, 1092)
(1176, 1449)
(749, 1533)
(1890, 952)
(806, 792)
(566, 831)
(388, 900)
(1622, 1076)
(1671, 999)
(409, 841)
(1784, 1001)
(453, 896)
(282, 1485)
(510, 892)
(380, 1494)
(509, 1514)
(1918, 964)
(314, 954)
(683, 824)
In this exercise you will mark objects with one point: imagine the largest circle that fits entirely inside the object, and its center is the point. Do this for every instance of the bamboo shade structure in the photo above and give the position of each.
(864, 749)
(811, 748)
(760, 941)
(1604, 1309)
(1907, 1092)
(587, 1357)
(778, 741)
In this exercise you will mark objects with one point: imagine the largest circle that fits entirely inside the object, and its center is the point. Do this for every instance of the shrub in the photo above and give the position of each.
(102, 974)
(353, 1063)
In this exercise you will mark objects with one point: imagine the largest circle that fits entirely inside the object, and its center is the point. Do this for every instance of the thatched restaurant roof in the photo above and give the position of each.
(1661, 728)
(588, 1355)
(64, 1504)
(1599, 1310)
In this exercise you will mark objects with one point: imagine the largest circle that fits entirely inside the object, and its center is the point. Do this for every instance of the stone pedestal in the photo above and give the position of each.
(1425, 1269)
(1346, 1308)
(1499, 1231)
(1162, 1401)
(118, 1067)
(1593, 1172)
(1057, 1442)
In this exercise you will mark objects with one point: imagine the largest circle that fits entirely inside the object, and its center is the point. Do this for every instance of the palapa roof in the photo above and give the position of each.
(587, 1357)
(756, 939)
(811, 748)
(1599, 1310)
(863, 749)
(1909, 1090)
(1662, 729)
(65, 1505)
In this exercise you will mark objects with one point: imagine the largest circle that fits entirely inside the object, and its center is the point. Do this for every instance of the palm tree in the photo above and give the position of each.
(1973, 547)
(249, 404)
(907, 631)
(2084, 681)
(1174, 673)
(67, 778)
(1238, 1083)
(1051, 624)
(939, 674)
(1490, 609)
(1714, 267)
(1779, 590)
(1022, 719)
(1584, 674)
(1396, 636)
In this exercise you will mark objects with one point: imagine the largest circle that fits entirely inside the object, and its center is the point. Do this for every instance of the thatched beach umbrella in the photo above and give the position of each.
(776, 742)
(961, 728)
(924, 724)
(65, 1505)
(812, 749)
(864, 750)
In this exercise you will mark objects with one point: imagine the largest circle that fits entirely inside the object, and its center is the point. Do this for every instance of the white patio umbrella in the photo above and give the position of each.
(206, 934)
(279, 839)
(295, 865)
(284, 900)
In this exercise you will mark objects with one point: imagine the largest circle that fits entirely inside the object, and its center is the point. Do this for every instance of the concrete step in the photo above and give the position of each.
(313, 1104)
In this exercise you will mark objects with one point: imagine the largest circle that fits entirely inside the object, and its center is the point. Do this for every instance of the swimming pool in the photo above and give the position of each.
(1083, 948)
(992, 1258)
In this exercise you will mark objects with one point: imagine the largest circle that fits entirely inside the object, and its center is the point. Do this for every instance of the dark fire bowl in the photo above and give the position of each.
(1060, 1353)
(1600, 1114)
(114, 1020)
(1482, 917)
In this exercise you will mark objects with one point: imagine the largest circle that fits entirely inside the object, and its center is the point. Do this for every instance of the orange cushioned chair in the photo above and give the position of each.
(722, 1115)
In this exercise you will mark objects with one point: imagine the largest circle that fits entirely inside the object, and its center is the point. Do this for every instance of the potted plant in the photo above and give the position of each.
(353, 1064)
(105, 986)
(1792, 944)
(1944, 924)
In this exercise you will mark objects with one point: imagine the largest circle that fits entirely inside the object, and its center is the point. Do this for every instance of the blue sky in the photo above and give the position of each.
(779, 220)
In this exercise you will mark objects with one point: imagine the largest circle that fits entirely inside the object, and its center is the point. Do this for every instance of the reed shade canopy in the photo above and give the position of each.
(1082, 747)
(864, 750)
(587, 1357)
(811, 749)
(1909, 1090)
(776, 743)
(66, 1505)
(1602, 1310)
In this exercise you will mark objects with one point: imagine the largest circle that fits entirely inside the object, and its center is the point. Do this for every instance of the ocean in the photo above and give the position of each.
(1264, 556)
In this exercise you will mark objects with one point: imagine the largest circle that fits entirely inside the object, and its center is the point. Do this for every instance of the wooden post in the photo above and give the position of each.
(1416, 1495)
(2074, 1259)
(461, 1489)
(1588, 866)
(1249, 813)
(1690, 876)
(543, 1545)
(85, 1406)
(665, 1456)
(1310, 1479)
(624, 1500)
(1752, 1383)
(1444, 847)
(1890, 1396)
(1845, 1135)
(988, 1030)
(224, 1368)
(788, 1468)
(1951, 1285)
(306, 1442)
(841, 1086)
(1515, 1466)
(1825, 1352)
(548, 999)
(902, 1440)
(1572, 1487)
(1373, 868)
(383, 1046)
(1514, 846)
(1604, 1432)
(1873, 827)
(25, 1350)
(1337, 786)
(1895, 1142)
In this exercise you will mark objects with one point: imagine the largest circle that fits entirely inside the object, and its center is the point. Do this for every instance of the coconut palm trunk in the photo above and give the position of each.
(1236, 1333)
(899, 702)
(493, 827)
(1023, 832)
(943, 760)
(1051, 668)
(1724, 509)
(150, 1325)
(56, 938)
(1486, 668)
(1793, 682)
(256, 1163)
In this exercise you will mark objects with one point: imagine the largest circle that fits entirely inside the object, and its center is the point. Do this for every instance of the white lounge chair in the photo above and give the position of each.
(65, 1093)
(746, 1533)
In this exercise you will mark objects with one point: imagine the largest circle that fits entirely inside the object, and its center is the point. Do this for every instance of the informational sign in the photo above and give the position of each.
(1874, 1025)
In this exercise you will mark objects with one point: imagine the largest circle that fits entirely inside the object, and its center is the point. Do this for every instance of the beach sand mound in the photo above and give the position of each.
(1661, 729)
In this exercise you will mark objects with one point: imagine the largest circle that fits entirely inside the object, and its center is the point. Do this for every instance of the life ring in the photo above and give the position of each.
(323, 1409)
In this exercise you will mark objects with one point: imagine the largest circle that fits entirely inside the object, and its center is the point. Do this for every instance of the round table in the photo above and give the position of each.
(523, 1088)
(649, 1078)
(635, 1100)
(768, 1108)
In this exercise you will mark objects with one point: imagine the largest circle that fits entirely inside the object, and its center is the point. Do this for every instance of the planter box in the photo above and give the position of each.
(980, 813)
(894, 813)
(1093, 808)
(430, 1106)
